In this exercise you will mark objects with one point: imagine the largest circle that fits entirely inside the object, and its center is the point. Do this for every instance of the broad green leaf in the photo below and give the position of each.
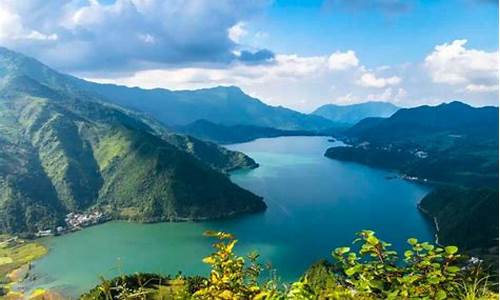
(350, 271)
(451, 249)
(453, 269)
(378, 284)
(342, 250)
(440, 295)
(230, 246)
(372, 240)
(433, 280)
(428, 247)
(412, 241)
(209, 260)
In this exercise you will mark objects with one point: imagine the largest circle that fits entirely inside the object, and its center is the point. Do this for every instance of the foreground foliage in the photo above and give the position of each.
(371, 270)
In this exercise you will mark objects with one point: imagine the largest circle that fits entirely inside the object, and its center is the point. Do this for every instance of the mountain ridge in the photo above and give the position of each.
(454, 148)
(353, 113)
(223, 105)
(65, 150)
(422, 119)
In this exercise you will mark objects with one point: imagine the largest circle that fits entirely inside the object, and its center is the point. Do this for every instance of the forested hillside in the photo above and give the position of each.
(63, 151)
(453, 147)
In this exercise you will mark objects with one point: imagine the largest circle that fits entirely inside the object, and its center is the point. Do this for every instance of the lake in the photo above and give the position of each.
(315, 204)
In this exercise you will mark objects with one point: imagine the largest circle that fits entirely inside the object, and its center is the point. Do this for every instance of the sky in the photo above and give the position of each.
(298, 54)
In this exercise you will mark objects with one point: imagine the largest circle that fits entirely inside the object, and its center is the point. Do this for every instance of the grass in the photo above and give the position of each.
(129, 213)
(476, 290)
(111, 147)
(5, 260)
(16, 255)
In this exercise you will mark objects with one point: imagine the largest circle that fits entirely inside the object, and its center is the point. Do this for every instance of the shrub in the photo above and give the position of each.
(370, 271)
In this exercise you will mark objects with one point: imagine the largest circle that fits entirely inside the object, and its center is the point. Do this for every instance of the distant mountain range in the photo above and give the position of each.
(454, 118)
(66, 149)
(221, 105)
(451, 142)
(351, 114)
(223, 134)
(452, 146)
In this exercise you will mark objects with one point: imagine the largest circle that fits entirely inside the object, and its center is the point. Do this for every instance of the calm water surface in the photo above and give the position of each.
(314, 205)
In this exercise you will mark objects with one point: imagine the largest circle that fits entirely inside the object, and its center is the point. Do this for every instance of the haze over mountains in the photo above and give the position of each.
(63, 150)
(227, 134)
(221, 105)
(351, 114)
(226, 106)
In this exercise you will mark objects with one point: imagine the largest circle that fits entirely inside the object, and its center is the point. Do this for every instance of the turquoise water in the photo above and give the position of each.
(314, 205)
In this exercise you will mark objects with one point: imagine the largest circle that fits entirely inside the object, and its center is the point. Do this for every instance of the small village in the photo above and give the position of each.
(413, 178)
(76, 221)
(416, 152)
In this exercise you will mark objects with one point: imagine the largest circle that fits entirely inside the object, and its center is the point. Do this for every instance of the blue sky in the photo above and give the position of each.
(379, 36)
(299, 54)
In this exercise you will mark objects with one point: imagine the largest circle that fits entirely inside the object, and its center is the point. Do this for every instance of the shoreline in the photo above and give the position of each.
(405, 177)
(435, 221)
(19, 291)
(22, 253)
(105, 216)
(224, 144)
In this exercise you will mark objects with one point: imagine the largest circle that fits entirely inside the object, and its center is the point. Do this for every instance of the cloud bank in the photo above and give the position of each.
(453, 64)
(450, 72)
(128, 34)
(179, 44)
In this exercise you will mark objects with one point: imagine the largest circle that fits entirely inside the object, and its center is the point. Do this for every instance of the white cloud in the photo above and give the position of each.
(400, 95)
(347, 99)
(285, 68)
(389, 94)
(127, 35)
(453, 64)
(343, 60)
(181, 44)
(11, 27)
(147, 38)
(385, 95)
(237, 32)
(481, 88)
(370, 80)
(306, 82)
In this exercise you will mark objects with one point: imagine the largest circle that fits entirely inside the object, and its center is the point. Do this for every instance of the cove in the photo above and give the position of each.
(315, 204)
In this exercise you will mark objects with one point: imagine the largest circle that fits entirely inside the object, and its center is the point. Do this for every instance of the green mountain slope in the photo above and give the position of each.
(450, 143)
(221, 105)
(63, 150)
(351, 114)
(453, 146)
(455, 118)
(475, 229)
